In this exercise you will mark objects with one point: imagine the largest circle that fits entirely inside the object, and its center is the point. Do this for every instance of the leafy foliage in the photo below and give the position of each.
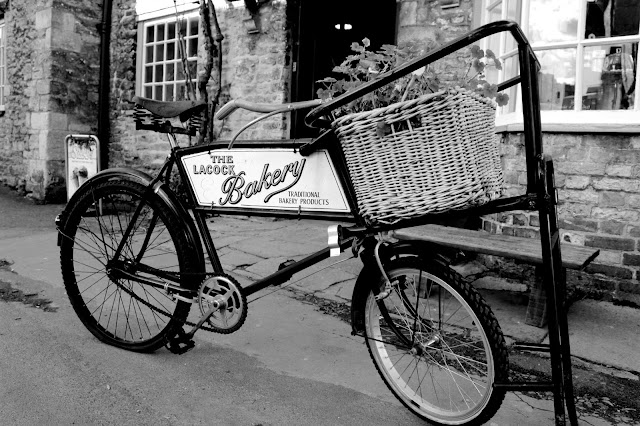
(365, 65)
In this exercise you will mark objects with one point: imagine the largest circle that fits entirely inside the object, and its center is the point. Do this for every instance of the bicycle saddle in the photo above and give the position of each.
(184, 109)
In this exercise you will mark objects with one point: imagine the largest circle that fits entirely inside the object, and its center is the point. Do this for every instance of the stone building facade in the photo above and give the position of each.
(48, 45)
(52, 86)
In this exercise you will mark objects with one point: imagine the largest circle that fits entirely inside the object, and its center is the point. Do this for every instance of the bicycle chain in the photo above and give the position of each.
(167, 314)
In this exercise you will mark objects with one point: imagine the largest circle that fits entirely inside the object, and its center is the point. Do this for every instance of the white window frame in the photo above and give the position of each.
(578, 120)
(3, 64)
(141, 62)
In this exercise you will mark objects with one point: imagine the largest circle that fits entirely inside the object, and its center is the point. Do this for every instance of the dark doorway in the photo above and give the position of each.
(323, 33)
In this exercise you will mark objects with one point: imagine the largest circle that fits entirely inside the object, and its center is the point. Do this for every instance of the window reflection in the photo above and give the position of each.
(609, 76)
(611, 18)
(552, 20)
(557, 79)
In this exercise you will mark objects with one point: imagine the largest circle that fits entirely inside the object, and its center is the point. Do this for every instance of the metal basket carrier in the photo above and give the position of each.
(458, 124)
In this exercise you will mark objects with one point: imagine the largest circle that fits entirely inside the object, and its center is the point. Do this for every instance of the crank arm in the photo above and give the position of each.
(202, 320)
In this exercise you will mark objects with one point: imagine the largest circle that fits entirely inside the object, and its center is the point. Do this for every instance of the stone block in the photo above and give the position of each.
(601, 213)
(611, 271)
(581, 168)
(616, 184)
(43, 18)
(633, 201)
(66, 40)
(586, 196)
(634, 231)
(611, 199)
(620, 170)
(612, 227)
(577, 182)
(612, 243)
(631, 259)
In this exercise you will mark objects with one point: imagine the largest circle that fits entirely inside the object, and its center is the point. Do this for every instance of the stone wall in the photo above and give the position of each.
(597, 177)
(52, 76)
(255, 68)
(423, 21)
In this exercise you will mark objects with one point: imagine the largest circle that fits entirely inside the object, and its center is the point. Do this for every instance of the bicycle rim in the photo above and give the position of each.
(122, 312)
(429, 344)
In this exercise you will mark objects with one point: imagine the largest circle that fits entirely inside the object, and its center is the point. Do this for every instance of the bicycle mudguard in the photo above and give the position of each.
(162, 190)
(370, 274)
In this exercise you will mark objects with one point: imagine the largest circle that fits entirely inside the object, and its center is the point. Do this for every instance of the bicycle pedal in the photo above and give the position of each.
(180, 343)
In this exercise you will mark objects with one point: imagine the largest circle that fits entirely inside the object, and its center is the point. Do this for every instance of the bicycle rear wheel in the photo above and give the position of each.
(436, 344)
(118, 311)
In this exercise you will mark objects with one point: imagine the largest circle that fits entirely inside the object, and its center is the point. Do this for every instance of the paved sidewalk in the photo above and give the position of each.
(602, 335)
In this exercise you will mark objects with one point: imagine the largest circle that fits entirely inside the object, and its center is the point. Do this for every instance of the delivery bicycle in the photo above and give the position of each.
(136, 258)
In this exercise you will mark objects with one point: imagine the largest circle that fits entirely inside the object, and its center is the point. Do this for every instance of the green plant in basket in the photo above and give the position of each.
(365, 65)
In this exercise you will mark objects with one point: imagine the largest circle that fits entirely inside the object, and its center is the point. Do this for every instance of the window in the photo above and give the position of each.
(161, 74)
(3, 64)
(588, 51)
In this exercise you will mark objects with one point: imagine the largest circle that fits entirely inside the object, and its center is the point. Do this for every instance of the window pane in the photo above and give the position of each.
(148, 74)
(148, 92)
(150, 32)
(159, 52)
(180, 92)
(193, 47)
(511, 69)
(159, 74)
(171, 31)
(193, 69)
(171, 51)
(552, 20)
(179, 71)
(157, 93)
(160, 32)
(169, 72)
(557, 78)
(193, 27)
(149, 54)
(183, 27)
(608, 76)
(493, 42)
(513, 13)
(168, 92)
(612, 18)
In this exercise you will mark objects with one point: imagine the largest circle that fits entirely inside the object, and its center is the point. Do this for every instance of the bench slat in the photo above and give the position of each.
(526, 249)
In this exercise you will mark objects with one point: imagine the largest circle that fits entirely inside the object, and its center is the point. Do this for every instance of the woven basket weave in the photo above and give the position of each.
(428, 155)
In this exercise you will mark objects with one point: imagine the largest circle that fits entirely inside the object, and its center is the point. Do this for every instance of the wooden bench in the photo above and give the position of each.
(528, 250)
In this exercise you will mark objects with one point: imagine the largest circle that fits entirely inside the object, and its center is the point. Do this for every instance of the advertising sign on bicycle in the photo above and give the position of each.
(279, 179)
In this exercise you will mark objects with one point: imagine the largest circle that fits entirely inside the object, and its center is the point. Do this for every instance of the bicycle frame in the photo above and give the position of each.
(188, 161)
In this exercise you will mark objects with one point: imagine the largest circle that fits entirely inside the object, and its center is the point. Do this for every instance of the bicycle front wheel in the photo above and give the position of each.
(436, 344)
(124, 312)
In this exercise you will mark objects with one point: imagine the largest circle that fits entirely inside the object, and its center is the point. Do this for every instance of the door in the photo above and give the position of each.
(323, 33)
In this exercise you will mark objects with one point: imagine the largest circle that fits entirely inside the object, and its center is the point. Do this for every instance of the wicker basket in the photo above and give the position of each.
(428, 155)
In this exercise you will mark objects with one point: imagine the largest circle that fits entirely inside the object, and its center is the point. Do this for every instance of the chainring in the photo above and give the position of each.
(223, 293)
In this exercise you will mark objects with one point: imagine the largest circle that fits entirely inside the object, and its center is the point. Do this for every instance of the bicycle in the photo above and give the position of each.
(133, 262)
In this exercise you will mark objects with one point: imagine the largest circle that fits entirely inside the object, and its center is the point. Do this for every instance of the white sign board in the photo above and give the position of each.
(278, 179)
(82, 158)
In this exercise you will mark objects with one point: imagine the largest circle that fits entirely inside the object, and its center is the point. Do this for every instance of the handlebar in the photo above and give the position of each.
(314, 117)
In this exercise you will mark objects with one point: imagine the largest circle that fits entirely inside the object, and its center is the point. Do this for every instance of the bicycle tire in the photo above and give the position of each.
(121, 312)
(441, 367)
